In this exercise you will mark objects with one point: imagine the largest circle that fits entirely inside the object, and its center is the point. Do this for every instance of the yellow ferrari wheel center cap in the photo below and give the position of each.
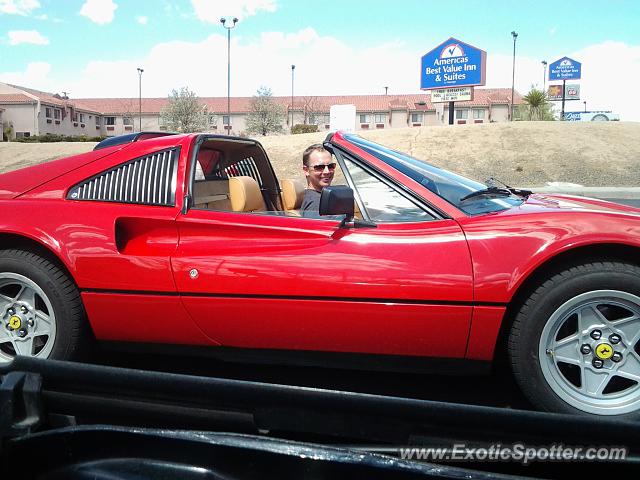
(15, 322)
(604, 351)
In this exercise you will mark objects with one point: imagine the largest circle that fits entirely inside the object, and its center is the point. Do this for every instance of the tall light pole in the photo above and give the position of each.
(513, 70)
(140, 70)
(223, 21)
(544, 75)
(293, 69)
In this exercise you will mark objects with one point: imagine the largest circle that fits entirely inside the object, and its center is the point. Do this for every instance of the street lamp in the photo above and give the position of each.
(585, 106)
(140, 70)
(223, 21)
(293, 68)
(513, 70)
(544, 75)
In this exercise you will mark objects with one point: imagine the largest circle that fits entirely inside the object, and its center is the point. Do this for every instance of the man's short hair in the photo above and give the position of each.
(316, 147)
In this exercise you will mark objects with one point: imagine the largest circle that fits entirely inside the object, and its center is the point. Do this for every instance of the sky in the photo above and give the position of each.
(92, 48)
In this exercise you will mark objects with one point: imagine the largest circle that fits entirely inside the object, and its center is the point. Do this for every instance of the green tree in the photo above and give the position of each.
(266, 116)
(185, 113)
(535, 106)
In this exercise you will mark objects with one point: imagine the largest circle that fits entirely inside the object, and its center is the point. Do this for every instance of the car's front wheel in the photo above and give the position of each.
(41, 314)
(575, 344)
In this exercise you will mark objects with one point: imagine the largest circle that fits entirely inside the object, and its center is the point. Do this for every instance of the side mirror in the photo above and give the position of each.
(337, 200)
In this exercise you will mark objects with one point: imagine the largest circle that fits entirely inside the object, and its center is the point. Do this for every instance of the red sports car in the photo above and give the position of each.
(192, 240)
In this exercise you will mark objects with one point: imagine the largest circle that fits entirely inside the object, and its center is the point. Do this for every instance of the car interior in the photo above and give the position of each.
(235, 175)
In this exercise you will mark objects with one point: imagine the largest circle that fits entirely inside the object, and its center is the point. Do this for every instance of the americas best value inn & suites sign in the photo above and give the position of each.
(453, 64)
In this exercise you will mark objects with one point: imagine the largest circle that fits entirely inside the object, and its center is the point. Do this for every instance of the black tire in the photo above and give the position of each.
(543, 335)
(71, 330)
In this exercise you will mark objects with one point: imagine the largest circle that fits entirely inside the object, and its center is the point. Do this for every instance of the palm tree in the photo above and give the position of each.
(536, 106)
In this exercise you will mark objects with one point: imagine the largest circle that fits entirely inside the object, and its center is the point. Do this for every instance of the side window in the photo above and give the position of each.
(382, 202)
(148, 180)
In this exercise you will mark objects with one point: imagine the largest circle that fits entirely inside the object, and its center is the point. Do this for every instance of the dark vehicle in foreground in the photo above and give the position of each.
(78, 421)
(192, 240)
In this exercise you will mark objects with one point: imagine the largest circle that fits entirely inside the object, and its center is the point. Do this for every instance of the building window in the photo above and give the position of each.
(213, 119)
(109, 121)
(48, 112)
(81, 115)
(56, 113)
(23, 134)
(462, 114)
(380, 118)
(416, 117)
(74, 116)
(365, 118)
(225, 120)
(477, 113)
(127, 121)
(97, 121)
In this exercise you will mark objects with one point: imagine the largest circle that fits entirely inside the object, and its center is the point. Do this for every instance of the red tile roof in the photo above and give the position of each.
(15, 98)
(363, 103)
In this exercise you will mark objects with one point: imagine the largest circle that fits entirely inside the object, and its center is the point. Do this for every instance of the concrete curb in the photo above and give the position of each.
(596, 192)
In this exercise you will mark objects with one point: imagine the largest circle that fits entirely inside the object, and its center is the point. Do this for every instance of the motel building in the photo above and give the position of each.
(26, 112)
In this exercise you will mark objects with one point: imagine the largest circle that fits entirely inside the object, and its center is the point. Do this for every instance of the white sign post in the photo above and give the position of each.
(342, 117)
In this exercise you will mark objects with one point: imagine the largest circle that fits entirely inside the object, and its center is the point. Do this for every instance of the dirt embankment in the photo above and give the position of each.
(522, 153)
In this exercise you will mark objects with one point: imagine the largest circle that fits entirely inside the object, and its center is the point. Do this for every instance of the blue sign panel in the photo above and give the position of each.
(565, 69)
(453, 64)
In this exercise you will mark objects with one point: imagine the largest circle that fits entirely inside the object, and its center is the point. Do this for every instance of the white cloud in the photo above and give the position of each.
(553, 31)
(99, 11)
(18, 7)
(44, 16)
(36, 76)
(17, 37)
(609, 71)
(142, 20)
(211, 11)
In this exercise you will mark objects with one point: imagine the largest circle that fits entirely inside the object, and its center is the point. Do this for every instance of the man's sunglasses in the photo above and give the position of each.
(320, 168)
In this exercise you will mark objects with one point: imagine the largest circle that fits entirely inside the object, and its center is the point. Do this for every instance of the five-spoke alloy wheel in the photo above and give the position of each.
(575, 343)
(41, 314)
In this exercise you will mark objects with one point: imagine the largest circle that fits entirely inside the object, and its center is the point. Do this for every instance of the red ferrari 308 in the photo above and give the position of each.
(192, 240)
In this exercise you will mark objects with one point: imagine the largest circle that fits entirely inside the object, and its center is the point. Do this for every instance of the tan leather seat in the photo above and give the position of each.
(212, 194)
(292, 194)
(245, 195)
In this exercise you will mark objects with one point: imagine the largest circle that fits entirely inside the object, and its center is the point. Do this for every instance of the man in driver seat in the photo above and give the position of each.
(318, 167)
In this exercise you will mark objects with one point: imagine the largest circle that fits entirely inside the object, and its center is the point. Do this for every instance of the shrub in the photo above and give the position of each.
(301, 128)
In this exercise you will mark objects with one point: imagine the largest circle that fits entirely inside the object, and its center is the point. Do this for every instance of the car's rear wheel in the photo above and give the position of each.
(575, 344)
(41, 313)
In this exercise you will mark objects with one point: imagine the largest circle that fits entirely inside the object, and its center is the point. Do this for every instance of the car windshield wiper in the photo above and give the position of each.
(492, 189)
(503, 192)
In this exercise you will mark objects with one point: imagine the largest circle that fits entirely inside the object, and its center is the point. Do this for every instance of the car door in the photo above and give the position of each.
(117, 224)
(258, 280)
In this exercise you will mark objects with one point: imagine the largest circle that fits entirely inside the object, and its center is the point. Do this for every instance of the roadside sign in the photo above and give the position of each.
(565, 69)
(342, 117)
(454, 94)
(453, 64)
(571, 92)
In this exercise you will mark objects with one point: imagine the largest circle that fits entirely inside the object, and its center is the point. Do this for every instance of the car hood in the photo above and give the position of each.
(572, 203)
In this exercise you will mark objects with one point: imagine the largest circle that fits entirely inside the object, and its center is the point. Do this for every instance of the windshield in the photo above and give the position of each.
(450, 186)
